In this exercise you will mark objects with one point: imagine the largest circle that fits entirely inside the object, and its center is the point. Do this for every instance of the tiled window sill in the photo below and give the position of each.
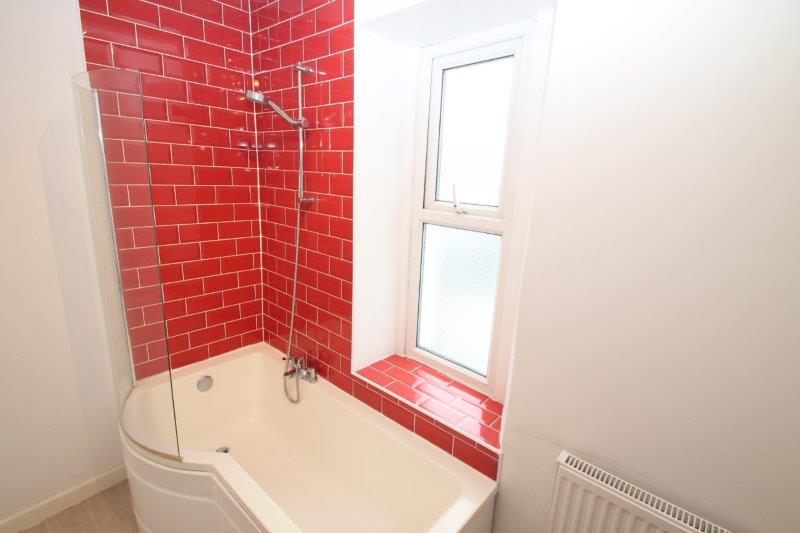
(450, 403)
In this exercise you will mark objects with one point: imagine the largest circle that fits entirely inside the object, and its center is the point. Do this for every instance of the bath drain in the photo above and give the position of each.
(223, 449)
(205, 383)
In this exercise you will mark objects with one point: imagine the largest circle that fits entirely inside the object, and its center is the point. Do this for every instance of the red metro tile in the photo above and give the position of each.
(398, 413)
(205, 52)
(107, 28)
(166, 215)
(167, 132)
(163, 87)
(442, 411)
(436, 392)
(433, 377)
(182, 289)
(342, 90)
(230, 79)
(119, 173)
(478, 413)
(434, 434)
(223, 118)
(203, 94)
(329, 15)
(207, 335)
(194, 195)
(369, 397)
(475, 458)
(181, 24)
(93, 5)
(238, 60)
(122, 128)
(302, 26)
(188, 357)
(188, 113)
(402, 362)
(174, 253)
(223, 36)
(375, 376)
(210, 136)
(342, 37)
(171, 174)
(133, 58)
(159, 41)
(480, 431)
(493, 406)
(134, 10)
(236, 18)
(98, 52)
(231, 157)
(466, 393)
(406, 392)
(207, 9)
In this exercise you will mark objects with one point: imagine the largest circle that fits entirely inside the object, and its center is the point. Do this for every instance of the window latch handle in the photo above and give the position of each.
(456, 207)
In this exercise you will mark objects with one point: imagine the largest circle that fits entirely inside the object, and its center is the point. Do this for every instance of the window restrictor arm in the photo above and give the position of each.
(456, 206)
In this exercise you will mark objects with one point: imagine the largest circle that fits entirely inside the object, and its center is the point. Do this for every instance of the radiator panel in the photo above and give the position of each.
(587, 499)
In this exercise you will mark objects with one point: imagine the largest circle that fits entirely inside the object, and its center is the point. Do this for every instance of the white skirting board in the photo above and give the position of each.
(63, 500)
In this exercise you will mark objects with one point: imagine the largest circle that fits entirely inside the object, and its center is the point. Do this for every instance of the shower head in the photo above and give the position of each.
(261, 98)
(255, 96)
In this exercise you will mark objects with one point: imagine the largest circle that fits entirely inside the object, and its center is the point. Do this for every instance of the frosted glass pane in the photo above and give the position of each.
(458, 285)
(472, 131)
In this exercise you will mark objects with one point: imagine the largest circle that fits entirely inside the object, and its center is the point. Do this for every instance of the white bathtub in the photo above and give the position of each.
(327, 464)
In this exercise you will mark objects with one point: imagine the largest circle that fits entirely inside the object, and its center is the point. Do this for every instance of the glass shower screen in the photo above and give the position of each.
(114, 146)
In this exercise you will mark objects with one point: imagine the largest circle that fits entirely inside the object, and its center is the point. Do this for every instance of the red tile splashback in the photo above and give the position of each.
(214, 159)
(468, 411)
(285, 32)
(189, 57)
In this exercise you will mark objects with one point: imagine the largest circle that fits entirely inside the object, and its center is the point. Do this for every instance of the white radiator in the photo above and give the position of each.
(587, 499)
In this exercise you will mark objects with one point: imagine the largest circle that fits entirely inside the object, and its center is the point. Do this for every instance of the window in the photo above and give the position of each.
(471, 144)
(457, 293)
(460, 258)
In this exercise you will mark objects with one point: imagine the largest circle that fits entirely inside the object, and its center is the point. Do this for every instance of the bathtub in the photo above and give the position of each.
(327, 464)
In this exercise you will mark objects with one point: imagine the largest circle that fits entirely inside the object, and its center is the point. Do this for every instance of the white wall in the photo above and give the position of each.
(58, 411)
(383, 134)
(659, 334)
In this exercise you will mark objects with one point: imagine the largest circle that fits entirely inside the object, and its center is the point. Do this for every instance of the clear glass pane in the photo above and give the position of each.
(114, 151)
(472, 131)
(458, 286)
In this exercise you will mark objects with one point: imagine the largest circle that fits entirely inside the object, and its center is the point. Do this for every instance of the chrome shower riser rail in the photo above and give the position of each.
(291, 368)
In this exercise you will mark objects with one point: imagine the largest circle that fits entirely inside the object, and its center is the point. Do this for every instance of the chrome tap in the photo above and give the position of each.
(306, 372)
(298, 365)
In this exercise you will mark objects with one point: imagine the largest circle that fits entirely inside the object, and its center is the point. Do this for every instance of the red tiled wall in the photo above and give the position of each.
(195, 60)
(208, 179)
(320, 34)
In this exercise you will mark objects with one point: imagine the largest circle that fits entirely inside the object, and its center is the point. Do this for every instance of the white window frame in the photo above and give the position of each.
(515, 194)
(439, 65)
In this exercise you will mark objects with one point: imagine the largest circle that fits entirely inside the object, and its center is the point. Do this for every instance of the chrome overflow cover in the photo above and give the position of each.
(205, 383)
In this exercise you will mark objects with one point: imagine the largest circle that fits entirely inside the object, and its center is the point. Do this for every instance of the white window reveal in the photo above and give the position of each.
(461, 260)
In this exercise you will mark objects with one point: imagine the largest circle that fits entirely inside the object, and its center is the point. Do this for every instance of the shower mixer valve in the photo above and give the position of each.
(298, 366)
